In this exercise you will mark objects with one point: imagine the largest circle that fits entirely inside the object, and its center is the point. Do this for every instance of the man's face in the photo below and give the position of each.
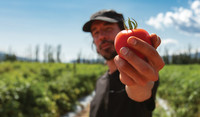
(104, 34)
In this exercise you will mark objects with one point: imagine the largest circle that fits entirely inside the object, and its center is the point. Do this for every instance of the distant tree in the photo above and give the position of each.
(10, 57)
(166, 57)
(37, 53)
(78, 60)
(175, 59)
(50, 54)
(182, 58)
(189, 54)
(58, 53)
(185, 58)
(45, 53)
(196, 58)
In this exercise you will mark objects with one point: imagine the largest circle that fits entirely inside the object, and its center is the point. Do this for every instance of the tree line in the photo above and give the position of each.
(50, 54)
(182, 58)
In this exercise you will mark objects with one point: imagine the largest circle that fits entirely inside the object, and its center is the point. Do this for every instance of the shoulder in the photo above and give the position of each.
(102, 79)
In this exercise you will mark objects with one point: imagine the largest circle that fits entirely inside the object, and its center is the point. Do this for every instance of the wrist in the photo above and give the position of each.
(140, 93)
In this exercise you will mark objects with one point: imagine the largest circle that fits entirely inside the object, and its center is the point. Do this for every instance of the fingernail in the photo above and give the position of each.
(132, 41)
(124, 50)
(157, 40)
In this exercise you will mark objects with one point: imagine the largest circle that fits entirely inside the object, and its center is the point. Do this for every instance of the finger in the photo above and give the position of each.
(127, 69)
(148, 51)
(125, 79)
(155, 40)
(139, 64)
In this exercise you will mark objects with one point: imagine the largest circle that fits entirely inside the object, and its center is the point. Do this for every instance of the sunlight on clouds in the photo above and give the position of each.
(169, 41)
(186, 20)
(196, 7)
(156, 22)
(170, 45)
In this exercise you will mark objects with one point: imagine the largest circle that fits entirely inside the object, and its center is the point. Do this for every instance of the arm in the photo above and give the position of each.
(139, 75)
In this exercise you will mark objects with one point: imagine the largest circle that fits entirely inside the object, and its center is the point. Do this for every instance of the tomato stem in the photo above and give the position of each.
(131, 23)
(134, 23)
(125, 25)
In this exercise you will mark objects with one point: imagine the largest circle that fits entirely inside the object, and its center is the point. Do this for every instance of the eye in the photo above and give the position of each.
(95, 33)
(109, 29)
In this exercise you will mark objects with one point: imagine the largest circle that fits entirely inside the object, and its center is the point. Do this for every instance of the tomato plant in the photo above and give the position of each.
(122, 37)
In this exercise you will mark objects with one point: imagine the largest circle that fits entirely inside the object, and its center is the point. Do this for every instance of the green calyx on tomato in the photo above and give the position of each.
(122, 37)
(130, 22)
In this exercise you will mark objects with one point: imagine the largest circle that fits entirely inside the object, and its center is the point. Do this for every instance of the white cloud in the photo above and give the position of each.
(168, 45)
(186, 20)
(169, 41)
(196, 7)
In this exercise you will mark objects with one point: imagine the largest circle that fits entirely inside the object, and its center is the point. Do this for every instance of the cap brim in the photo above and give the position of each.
(87, 25)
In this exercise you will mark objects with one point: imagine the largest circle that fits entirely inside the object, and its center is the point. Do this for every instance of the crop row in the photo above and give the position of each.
(44, 89)
(180, 87)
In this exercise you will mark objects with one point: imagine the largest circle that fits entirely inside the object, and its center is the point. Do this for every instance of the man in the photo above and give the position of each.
(118, 92)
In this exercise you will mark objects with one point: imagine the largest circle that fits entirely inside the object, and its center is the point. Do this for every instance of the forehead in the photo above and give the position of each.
(98, 23)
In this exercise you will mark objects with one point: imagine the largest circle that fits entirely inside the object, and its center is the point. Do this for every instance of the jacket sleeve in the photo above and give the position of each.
(97, 106)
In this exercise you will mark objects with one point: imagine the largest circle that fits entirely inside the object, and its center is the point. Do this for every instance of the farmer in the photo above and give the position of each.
(117, 92)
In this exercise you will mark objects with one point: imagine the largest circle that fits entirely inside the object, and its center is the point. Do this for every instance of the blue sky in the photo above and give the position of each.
(24, 24)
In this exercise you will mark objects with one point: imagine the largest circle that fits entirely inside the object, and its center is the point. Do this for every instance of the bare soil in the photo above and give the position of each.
(84, 112)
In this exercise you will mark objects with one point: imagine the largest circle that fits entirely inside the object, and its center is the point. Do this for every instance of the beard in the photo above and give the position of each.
(109, 53)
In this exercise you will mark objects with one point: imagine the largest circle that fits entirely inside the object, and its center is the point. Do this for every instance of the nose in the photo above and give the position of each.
(102, 36)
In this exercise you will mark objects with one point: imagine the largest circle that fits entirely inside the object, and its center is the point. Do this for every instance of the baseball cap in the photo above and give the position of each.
(103, 15)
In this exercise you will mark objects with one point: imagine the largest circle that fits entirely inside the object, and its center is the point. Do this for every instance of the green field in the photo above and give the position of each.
(44, 89)
(180, 87)
(52, 89)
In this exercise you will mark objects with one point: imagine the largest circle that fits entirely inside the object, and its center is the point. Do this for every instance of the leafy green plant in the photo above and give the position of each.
(44, 89)
(179, 85)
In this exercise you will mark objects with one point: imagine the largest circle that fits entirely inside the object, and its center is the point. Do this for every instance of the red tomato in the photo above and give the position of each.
(122, 37)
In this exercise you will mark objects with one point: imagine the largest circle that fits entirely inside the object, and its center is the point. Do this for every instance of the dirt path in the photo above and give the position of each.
(84, 112)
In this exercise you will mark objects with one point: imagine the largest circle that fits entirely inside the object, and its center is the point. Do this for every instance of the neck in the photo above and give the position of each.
(111, 66)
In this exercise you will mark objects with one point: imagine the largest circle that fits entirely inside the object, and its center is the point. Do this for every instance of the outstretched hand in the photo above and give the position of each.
(137, 74)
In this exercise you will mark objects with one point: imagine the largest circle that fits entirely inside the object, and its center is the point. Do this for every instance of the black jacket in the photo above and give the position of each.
(111, 100)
